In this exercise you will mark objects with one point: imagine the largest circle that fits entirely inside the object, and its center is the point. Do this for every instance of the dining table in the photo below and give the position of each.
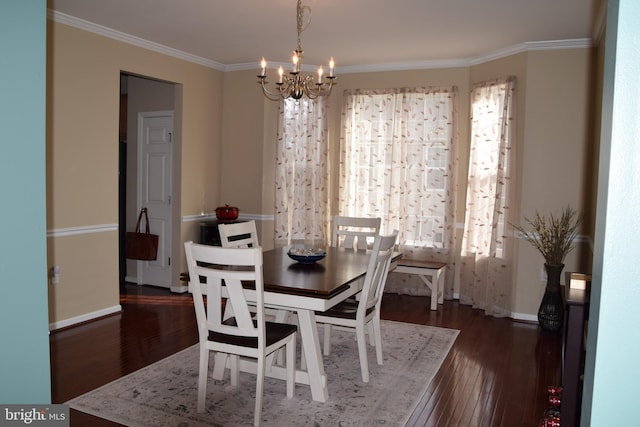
(303, 289)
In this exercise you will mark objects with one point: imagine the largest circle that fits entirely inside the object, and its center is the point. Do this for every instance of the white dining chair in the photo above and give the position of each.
(238, 234)
(245, 235)
(365, 313)
(354, 232)
(242, 335)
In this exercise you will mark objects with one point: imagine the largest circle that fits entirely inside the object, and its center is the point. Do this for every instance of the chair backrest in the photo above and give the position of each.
(209, 266)
(239, 235)
(352, 232)
(377, 271)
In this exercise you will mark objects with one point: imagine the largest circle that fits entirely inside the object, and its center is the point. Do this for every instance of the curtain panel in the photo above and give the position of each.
(301, 211)
(487, 254)
(398, 162)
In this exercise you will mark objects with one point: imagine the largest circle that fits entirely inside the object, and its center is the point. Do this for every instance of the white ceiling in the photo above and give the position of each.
(357, 33)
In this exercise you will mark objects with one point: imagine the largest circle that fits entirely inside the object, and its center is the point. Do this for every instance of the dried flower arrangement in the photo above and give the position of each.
(552, 236)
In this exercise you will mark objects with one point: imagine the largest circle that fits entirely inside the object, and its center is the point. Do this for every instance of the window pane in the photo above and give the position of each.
(396, 154)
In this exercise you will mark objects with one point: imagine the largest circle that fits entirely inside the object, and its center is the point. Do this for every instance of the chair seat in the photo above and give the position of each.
(274, 332)
(345, 310)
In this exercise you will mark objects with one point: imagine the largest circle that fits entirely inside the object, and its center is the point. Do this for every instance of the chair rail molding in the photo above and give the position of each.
(88, 229)
(212, 216)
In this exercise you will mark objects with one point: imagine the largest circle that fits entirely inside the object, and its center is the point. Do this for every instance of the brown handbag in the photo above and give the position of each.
(142, 246)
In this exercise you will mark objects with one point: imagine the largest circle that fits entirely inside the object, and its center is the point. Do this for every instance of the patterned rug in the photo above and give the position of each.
(164, 394)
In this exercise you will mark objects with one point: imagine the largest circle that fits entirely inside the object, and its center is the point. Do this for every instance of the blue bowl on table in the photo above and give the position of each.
(306, 256)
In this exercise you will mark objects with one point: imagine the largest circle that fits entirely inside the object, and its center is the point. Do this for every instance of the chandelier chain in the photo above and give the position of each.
(300, 27)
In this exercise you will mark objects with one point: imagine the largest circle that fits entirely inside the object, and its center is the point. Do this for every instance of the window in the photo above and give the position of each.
(301, 213)
(487, 251)
(398, 160)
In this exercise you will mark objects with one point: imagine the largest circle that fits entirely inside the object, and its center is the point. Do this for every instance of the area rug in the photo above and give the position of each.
(164, 394)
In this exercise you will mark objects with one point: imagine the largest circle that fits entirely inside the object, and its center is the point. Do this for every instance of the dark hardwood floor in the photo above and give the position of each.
(495, 375)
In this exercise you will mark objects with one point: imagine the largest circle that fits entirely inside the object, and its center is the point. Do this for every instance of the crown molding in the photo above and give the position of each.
(447, 63)
(393, 66)
(531, 47)
(403, 66)
(133, 40)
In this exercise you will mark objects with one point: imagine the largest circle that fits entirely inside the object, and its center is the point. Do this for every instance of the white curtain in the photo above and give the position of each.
(398, 162)
(301, 211)
(487, 251)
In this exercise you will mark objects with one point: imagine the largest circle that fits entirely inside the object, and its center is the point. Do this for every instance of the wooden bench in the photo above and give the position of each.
(431, 273)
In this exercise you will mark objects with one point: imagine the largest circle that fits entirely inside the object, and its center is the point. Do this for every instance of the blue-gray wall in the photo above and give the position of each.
(612, 370)
(25, 373)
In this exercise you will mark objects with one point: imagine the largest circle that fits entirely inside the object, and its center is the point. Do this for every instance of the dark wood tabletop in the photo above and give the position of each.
(324, 279)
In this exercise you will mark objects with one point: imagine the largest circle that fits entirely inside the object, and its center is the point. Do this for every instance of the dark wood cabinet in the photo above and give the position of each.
(575, 335)
(209, 233)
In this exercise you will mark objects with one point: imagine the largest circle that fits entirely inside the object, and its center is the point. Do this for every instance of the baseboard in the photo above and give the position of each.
(85, 317)
(180, 289)
(525, 317)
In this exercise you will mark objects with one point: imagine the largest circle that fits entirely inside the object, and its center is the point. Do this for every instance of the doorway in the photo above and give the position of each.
(145, 104)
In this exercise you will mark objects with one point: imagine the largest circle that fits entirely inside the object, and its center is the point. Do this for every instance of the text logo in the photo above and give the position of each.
(34, 415)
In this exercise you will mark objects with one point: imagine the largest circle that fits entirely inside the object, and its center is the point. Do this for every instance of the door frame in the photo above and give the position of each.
(127, 222)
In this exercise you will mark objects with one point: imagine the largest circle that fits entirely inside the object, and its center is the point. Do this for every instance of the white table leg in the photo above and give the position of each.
(313, 355)
(440, 281)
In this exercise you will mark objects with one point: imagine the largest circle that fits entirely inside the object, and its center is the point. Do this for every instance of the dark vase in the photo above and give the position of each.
(551, 311)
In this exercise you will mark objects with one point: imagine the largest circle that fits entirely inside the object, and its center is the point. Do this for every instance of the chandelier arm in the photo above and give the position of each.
(270, 95)
(321, 89)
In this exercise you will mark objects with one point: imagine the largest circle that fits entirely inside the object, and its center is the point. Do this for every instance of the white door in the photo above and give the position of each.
(155, 166)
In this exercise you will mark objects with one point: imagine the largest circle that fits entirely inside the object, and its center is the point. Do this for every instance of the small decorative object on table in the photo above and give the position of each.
(306, 255)
(553, 237)
(227, 213)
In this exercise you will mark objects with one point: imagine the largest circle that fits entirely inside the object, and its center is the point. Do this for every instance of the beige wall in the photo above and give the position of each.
(82, 158)
(227, 133)
(554, 96)
(554, 147)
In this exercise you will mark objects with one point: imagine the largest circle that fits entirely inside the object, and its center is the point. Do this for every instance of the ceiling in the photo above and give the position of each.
(357, 33)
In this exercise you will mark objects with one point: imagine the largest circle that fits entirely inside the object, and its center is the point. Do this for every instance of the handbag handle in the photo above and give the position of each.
(146, 217)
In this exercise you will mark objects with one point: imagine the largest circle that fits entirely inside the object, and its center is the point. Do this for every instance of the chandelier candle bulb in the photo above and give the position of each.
(280, 74)
(320, 75)
(263, 65)
(331, 66)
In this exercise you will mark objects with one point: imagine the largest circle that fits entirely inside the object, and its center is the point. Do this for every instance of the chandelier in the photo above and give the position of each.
(295, 85)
